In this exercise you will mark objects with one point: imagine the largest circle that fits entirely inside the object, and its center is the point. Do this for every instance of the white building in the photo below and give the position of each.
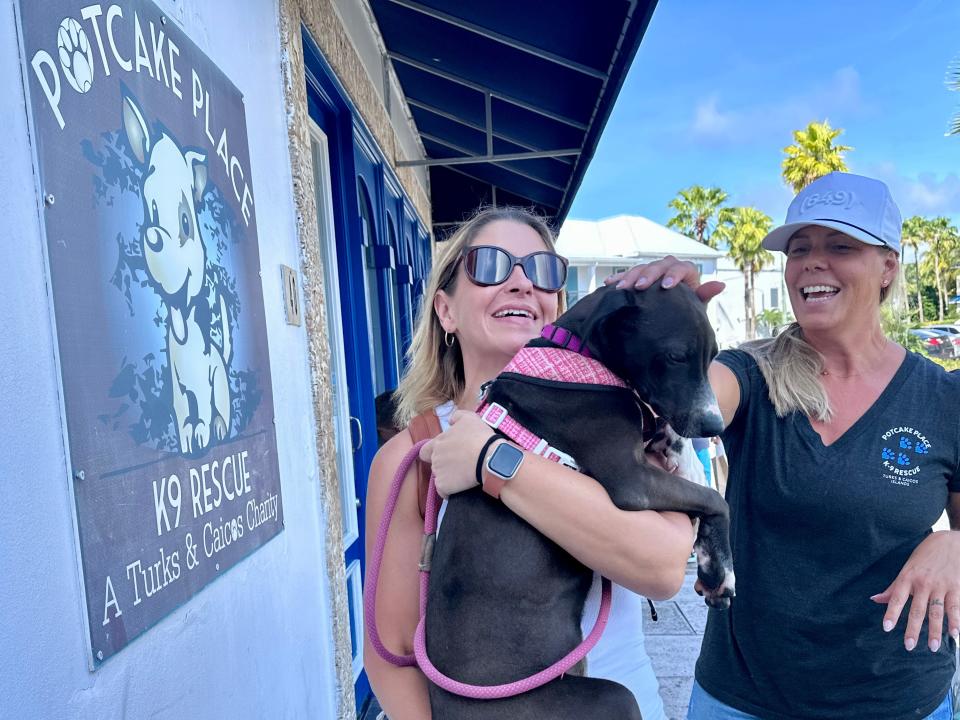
(598, 248)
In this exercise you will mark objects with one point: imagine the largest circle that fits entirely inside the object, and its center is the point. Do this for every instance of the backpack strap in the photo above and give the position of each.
(424, 426)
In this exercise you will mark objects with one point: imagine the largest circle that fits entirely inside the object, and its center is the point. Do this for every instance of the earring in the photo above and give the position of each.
(886, 282)
(448, 339)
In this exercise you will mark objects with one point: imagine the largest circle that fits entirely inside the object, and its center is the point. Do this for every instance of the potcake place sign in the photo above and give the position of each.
(151, 243)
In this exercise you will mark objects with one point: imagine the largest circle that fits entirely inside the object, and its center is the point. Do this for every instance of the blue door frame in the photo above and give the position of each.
(401, 260)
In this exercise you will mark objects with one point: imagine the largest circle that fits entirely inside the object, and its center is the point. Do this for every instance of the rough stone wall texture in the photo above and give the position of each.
(323, 23)
(295, 91)
(321, 19)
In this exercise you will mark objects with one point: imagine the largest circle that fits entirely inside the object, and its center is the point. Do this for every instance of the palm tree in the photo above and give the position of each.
(943, 238)
(813, 155)
(953, 83)
(745, 230)
(915, 234)
(698, 209)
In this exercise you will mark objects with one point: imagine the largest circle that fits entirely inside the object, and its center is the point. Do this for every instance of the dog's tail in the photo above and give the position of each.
(225, 331)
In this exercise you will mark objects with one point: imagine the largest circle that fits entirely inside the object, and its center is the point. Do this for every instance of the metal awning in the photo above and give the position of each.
(509, 96)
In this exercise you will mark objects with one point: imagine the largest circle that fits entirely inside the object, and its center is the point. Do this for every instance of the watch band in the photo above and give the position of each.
(495, 479)
(483, 455)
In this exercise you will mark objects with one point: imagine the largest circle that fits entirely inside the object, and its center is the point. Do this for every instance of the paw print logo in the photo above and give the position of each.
(76, 55)
(903, 459)
(888, 454)
(905, 443)
(921, 448)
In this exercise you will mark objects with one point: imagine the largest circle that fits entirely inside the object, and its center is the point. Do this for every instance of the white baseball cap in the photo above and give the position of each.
(857, 206)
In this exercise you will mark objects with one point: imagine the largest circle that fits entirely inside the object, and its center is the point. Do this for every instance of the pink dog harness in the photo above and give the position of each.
(572, 365)
(556, 365)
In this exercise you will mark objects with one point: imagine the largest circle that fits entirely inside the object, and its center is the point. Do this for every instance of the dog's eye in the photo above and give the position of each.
(676, 357)
(154, 213)
(184, 224)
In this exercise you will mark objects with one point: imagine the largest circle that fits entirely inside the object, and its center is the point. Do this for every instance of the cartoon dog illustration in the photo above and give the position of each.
(172, 185)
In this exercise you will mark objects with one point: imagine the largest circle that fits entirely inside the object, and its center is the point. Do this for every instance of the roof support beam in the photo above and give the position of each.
(500, 38)
(484, 89)
(542, 202)
(473, 126)
(488, 108)
(474, 159)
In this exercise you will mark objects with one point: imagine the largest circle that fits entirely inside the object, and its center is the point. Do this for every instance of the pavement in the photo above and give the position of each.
(673, 644)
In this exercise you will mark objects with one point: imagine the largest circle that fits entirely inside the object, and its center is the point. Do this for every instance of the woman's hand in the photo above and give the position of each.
(932, 577)
(453, 454)
(672, 272)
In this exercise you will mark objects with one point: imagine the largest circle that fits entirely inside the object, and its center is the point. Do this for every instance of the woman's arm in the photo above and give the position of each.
(727, 389)
(644, 551)
(402, 691)
(931, 577)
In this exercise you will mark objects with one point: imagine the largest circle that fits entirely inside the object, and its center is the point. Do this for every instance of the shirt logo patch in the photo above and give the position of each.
(903, 449)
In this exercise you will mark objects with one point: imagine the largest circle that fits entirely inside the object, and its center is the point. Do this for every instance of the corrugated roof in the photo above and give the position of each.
(525, 87)
(627, 236)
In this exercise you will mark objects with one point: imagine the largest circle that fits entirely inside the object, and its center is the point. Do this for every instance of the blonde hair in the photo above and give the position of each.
(792, 368)
(434, 373)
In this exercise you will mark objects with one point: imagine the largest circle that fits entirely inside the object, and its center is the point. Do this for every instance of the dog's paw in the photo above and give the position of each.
(219, 428)
(201, 436)
(720, 596)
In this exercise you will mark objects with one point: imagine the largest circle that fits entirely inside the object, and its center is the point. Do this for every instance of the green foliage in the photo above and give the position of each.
(697, 212)
(773, 320)
(949, 364)
(813, 155)
(938, 267)
(744, 229)
(896, 325)
(953, 83)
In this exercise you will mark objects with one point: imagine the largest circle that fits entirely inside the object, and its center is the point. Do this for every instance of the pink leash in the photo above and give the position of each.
(419, 657)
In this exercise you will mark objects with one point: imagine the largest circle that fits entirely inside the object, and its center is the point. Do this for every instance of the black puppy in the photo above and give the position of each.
(504, 601)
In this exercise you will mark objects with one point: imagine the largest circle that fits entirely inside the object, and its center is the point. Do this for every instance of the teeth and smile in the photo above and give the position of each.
(818, 293)
(513, 312)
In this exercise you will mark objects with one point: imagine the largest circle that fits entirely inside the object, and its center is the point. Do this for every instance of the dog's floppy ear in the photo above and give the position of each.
(610, 303)
(138, 134)
(198, 163)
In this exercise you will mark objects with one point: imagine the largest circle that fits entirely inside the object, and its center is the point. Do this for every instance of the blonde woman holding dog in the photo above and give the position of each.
(493, 287)
(844, 451)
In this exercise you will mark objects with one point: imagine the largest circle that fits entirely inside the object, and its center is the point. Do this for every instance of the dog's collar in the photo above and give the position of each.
(565, 339)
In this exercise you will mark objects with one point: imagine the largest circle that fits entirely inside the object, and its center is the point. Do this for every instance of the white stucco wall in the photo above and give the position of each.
(254, 643)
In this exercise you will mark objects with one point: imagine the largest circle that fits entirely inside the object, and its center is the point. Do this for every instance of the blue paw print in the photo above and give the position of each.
(903, 459)
(888, 454)
(921, 448)
(905, 443)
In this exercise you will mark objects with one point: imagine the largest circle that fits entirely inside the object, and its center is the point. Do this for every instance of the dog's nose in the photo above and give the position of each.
(711, 424)
(154, 239)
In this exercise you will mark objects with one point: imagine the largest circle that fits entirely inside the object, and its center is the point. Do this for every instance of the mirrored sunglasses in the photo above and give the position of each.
(489, 265)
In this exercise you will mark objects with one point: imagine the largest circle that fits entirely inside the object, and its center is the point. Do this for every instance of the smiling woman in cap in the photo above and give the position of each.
(844, 450)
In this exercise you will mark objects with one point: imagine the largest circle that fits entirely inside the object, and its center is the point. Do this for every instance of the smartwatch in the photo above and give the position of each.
(501, 467)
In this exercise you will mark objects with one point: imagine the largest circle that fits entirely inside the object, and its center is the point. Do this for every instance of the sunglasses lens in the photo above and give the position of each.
(546, 270)
(491, 266)
(487, 265)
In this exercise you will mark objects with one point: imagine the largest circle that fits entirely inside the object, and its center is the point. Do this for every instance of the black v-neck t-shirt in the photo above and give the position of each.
(816, 530)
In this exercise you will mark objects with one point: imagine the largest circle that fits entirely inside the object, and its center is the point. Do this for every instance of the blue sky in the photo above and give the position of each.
(716, 89)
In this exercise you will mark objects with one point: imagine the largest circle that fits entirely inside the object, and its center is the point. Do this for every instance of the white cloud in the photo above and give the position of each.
(927, 193)
(714, 124)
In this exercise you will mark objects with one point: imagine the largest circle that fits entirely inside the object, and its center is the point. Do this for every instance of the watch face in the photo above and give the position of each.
(505, 460)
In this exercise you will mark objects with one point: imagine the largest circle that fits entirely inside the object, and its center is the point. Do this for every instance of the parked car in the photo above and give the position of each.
(935, 344)
(952, 332)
